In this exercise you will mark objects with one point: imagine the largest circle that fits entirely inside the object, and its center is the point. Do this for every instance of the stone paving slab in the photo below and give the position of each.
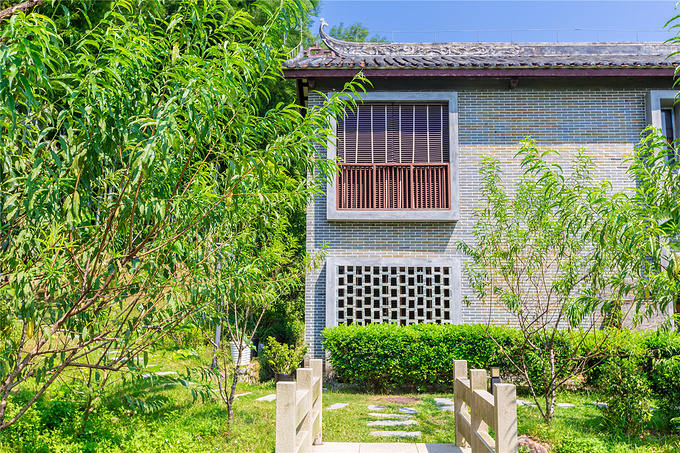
(443, 401)
(395, 416)
(598, 404)
(450, 408)
(373, 407)
(392, 423)
(348, 447)
(337, 406)
(408, 410)
(565, 405)
(395, 433)
(159, 374)
(271, 397)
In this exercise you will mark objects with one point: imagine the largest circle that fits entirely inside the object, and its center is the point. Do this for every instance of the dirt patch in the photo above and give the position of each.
(400, 399)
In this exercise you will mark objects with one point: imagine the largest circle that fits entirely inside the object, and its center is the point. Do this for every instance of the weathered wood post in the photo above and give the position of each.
(317, 400)
(285, 417)
(459, 372)
(505, 404)
(304, 407)
(477, 382)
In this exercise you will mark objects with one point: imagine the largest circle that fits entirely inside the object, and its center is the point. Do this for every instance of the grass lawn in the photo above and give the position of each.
(182, 424)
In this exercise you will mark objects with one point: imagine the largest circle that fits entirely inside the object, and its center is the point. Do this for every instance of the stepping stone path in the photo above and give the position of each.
(408, 410)
(445, 404)
(271, 397)
(392, 423)
(598, 404)
(525, 403)
(565, 405)
(395, 433)
(337, 406)
(393, 420)
(159, 374)
(393, 416)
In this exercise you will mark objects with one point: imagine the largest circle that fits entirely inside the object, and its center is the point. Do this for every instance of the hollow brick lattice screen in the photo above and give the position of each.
(398, 294)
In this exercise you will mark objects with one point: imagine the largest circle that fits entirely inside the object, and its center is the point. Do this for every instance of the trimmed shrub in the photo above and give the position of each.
(388, 357)
(385, 357)
(627, 393)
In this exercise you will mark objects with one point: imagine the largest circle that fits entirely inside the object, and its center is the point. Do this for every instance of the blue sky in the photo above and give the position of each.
(486, 20)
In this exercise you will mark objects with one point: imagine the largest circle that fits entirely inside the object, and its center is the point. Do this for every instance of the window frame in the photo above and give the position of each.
(447, 215)
(658, 100)
(453, 264)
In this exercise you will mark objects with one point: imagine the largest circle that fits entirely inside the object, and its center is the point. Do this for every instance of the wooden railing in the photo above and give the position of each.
(419, 186)
(477, 410)
(298, 410)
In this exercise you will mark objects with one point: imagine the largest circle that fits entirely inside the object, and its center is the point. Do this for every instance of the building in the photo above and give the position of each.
(410, 179)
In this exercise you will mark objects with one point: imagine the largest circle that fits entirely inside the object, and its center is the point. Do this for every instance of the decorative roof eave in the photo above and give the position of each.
(631, 71)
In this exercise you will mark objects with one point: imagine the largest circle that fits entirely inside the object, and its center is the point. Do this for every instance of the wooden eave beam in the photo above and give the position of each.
(480, 72)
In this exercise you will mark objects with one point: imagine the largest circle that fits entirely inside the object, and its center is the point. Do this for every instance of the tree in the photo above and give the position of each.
(648, 226)
(545, 254)
(354, 33)
(135, 159)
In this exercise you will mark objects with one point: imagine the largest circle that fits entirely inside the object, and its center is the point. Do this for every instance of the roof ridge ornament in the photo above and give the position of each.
(432, 49)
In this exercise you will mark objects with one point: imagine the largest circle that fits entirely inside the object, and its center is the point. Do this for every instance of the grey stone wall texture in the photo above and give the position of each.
(491, 122)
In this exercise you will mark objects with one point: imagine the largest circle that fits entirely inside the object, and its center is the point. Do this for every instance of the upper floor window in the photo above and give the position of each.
(394, 157)
(398, 158)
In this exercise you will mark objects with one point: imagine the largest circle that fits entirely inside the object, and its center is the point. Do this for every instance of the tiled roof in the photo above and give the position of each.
(342, 54)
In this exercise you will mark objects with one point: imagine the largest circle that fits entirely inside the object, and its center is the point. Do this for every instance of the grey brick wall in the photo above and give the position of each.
(491, 122)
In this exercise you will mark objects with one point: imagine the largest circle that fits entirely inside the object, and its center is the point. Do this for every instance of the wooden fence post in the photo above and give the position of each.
(505, 405)
(304, 382)
(477, 382)
(459, 372)
(317, 403)
(285, 417)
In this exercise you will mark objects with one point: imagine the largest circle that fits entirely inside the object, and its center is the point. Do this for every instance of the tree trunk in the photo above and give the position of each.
(24, 6)
(551, 391)
(218, 337)
(232, 392)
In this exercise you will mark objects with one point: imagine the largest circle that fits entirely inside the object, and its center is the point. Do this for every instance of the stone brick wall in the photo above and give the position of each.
(491, 122)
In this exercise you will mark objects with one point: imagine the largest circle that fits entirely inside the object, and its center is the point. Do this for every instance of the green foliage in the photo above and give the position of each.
(283, 358)
(627, 394)
(144, 175)
(355, 32)
(665, 377)
(543, 254)
(389, 357)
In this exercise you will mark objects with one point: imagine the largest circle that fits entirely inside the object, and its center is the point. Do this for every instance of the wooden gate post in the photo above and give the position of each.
(505, 404)
(459, 372)
(285, 417)
(477, 382)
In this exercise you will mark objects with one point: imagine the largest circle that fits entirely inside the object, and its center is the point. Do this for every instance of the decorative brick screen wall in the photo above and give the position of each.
(398, 294)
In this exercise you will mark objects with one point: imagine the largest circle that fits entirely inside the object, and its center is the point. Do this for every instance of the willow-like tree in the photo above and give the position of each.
(549, 255)
(135, 158)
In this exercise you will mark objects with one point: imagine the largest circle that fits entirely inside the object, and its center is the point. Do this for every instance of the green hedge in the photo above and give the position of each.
(386, 357)
(420, 357)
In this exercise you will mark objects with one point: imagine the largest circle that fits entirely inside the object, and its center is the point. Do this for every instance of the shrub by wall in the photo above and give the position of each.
(384, 357)
(387, 357)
